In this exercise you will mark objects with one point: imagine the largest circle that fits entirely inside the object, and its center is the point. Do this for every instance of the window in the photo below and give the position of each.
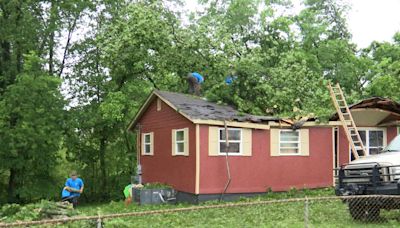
(286, 142)
(234, 140)
(289, 142)
(239, 139)
(147, 143)
(180, 142)
(373, 140)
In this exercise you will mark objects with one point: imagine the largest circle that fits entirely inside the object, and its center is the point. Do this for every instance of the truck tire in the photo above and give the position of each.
(362, 210)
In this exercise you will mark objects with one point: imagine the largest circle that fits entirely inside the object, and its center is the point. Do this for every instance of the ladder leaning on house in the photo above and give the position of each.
(347, 120)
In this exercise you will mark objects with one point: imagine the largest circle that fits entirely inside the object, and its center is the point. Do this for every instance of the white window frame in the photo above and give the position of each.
(147, 143)
(179, 141)
(298, 143)
(367, 130)
(233, 141)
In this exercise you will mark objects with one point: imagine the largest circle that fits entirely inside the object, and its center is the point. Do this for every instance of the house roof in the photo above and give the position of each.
(380, 103)
(375, 111)
(201, 111)
(196, 108)
(200, 108)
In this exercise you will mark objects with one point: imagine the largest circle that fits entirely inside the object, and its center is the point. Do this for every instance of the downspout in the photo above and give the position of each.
(227, 162)
(138, 152)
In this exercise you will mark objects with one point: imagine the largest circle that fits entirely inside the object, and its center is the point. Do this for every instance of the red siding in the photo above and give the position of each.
(391, 133)
(261, 171)
(344, 149)
(178, 171)
(255, 173)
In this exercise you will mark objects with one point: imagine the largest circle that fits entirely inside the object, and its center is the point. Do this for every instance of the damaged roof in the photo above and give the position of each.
(197, 108)
(378, 102)
(375, 103)
(200, 108)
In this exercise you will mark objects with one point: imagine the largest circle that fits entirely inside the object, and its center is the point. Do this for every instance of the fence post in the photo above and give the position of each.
(306, 213)
(99, 222)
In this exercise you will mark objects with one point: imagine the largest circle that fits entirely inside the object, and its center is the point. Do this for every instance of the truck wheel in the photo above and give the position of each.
(363, 211)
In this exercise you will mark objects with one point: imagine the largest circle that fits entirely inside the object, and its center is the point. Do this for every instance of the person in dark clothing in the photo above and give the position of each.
(195, 80)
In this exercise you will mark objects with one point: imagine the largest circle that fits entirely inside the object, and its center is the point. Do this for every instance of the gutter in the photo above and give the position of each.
(232, 124)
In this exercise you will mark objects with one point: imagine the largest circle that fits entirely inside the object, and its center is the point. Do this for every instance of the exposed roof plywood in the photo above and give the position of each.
(368, 118)
(374, 111)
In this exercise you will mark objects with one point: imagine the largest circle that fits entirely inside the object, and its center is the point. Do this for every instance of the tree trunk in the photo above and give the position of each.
(52, 28)
(19, 58)
(5, 54)
(18, 45)
(66, 48)
(51, 53)
(4, 65)
(102, 155)
(12, 186)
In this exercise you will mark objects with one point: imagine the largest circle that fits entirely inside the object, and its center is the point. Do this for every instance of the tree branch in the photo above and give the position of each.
(70, 31)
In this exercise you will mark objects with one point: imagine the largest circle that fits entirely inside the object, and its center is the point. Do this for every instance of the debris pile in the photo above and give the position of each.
(56, 209)
(42, 210)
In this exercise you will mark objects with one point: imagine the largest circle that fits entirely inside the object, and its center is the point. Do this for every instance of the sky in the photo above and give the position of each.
(368, 20)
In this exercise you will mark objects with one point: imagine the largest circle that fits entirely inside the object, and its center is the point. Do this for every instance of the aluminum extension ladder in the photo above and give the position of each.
(347, 120)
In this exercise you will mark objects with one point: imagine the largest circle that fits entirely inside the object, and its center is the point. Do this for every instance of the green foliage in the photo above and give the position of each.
(321, 213)
(36, 211)
(31, 110)
(155, 186)
(281, 63)
(384, 74)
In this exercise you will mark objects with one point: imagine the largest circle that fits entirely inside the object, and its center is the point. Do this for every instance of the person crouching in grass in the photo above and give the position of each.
(73, 189)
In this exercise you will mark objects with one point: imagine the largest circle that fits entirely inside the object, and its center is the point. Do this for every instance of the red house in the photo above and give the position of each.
(182, 143)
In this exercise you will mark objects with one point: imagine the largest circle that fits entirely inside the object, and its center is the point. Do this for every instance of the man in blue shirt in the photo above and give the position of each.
(229, 79)
(73, 189)
(195, 80)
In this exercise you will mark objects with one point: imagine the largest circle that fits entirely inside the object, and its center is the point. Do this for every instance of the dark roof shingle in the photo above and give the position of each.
(200, 108)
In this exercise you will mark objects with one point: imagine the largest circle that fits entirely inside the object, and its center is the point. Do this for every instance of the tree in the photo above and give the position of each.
(31, 128)
(120, 62)
(383, 74)
(31, 27)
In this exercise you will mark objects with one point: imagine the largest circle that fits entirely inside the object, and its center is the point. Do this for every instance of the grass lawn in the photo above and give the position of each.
(331, 213)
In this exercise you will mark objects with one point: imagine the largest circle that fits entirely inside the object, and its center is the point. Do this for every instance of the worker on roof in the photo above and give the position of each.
(229, 79)
(195, 80)
(231, 76)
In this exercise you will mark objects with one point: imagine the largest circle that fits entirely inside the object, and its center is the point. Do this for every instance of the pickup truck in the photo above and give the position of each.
(377, 174)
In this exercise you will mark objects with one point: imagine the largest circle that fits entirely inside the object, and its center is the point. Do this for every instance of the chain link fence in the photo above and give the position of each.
(344, 211)
(357, 211)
